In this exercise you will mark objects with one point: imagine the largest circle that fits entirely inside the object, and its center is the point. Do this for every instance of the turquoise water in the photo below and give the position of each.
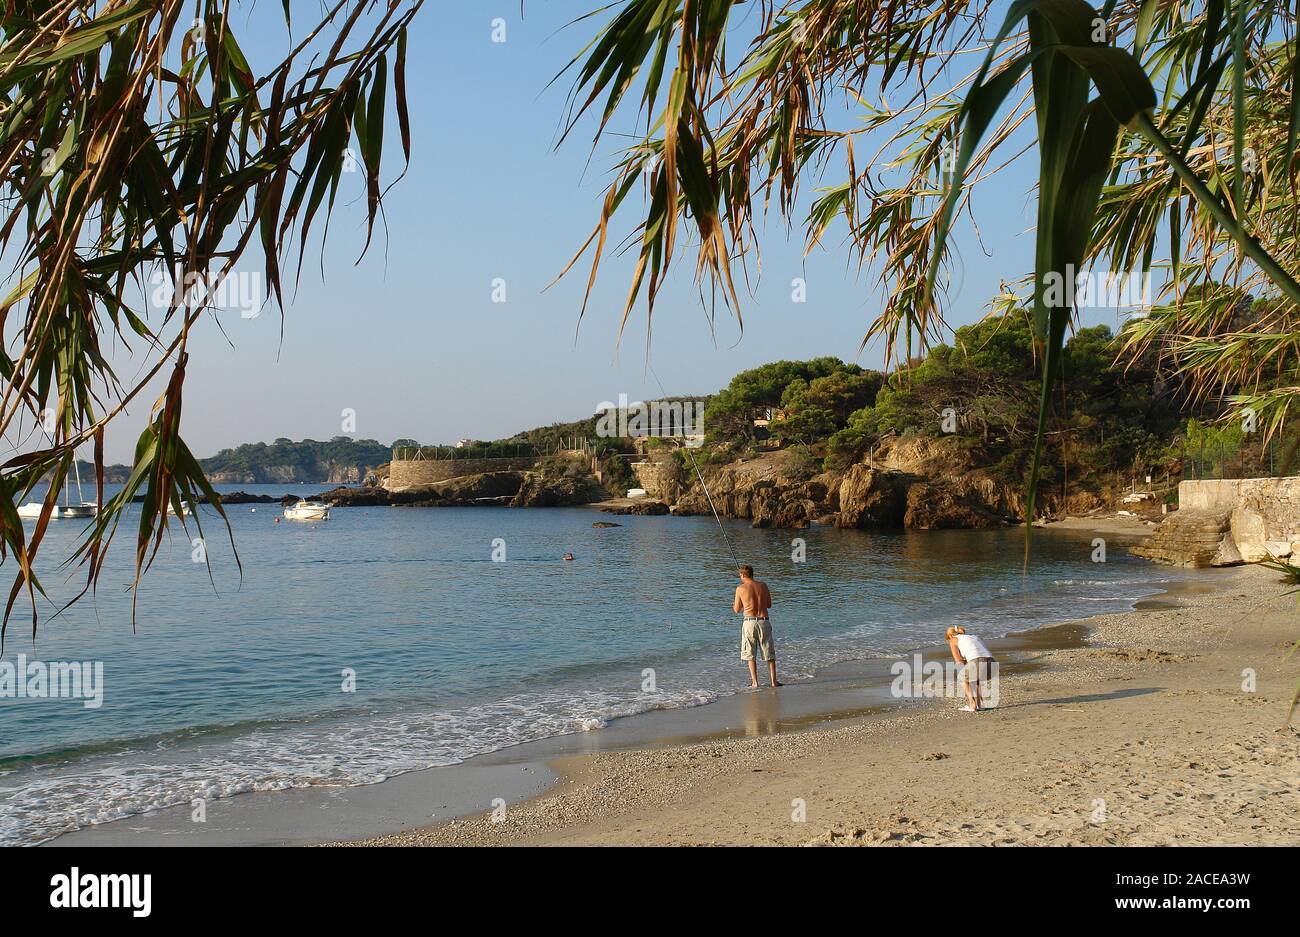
(242, 687)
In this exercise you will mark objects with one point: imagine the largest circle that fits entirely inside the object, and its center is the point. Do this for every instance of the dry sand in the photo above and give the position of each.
(1141, 520)
(1142, 736)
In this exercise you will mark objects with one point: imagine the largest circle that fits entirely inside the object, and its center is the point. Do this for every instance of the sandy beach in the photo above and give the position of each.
(1140, 734)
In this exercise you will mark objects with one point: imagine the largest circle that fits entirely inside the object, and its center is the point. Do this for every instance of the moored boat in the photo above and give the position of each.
(32, 511)
(307, 511)
(83, 511)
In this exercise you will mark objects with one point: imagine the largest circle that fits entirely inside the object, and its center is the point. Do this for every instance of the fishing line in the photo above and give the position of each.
(700, 475)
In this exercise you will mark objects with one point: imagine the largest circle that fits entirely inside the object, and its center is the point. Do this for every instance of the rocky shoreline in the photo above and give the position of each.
(914, 484)
(908, 483)
(504, 489)
(862, 497)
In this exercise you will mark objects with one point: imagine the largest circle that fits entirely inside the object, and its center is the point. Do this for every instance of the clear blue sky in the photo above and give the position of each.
(410, 338)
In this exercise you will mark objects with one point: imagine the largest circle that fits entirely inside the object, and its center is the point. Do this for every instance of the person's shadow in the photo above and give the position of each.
(1090, 698)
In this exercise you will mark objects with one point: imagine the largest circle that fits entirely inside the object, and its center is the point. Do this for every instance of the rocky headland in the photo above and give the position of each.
(913, 484)
(508, 489)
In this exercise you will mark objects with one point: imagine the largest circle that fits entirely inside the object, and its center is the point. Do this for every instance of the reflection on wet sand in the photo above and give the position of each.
(762, 711)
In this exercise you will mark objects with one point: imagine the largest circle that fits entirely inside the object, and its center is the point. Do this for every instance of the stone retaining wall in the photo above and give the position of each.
(1221, 522)
(1264, 513)
(658, 478)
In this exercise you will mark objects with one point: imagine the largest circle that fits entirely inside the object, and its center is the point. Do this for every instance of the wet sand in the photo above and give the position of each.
(1137, 728)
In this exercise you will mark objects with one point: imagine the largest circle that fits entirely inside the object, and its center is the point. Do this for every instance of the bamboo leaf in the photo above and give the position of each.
(1293, 123)
(1238, 103)
(399, 88)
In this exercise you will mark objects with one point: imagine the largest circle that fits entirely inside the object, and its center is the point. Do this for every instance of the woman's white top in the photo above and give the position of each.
(971, 647)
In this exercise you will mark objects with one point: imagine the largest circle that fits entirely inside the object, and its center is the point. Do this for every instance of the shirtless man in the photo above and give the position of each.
(754, 599)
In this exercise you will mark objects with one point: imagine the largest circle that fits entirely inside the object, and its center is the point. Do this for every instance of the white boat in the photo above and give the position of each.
(84, 511)
(307, 511)
(32, 510)
(186, 509)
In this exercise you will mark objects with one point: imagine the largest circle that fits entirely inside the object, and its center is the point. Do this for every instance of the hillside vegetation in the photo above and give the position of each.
(340, 459)
(982, 391)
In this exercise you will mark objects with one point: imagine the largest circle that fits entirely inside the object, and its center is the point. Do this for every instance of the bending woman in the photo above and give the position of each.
(970, 652)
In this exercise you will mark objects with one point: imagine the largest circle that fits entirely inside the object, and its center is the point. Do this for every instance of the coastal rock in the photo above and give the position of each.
(644, 507)
(355, 497)
(762, 491)
(764, 503)
(937, 507)
(540, 491)
(927, 456)
(789, 506)
(767, 491)
(946, 461)
(872, 498)
(1278, 549)
(517, 488)
(736, 488)
(243, 497)
(795, 514)
(1192, 538)
(484, 487)
(604, 524)
(815, 490)
(1227, 554)
(1250, 534)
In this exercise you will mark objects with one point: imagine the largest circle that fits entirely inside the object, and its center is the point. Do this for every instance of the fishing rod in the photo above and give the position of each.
(700, 475)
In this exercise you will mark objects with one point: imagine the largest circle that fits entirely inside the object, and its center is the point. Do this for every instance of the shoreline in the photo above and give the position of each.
(1027, 772)
(847, 691)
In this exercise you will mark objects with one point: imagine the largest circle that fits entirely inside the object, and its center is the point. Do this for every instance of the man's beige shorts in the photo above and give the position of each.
(756, 633)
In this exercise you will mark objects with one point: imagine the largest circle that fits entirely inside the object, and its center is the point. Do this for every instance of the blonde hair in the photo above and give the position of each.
(952, 632)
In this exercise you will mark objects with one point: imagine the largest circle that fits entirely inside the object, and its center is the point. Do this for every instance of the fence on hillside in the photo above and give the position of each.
(492, 450)
(1275, 458)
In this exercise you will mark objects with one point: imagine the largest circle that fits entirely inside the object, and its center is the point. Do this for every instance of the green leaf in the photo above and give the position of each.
(1238, 104)
(399, 89)
(1142, 29)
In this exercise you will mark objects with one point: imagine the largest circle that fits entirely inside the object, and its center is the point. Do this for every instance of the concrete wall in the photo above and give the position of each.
(416, 473)
(1264, 512)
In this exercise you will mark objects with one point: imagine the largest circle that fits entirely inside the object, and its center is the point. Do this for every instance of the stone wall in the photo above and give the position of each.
(418, 473)
(1220, 522)
(660, 477)
(1264, 513)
